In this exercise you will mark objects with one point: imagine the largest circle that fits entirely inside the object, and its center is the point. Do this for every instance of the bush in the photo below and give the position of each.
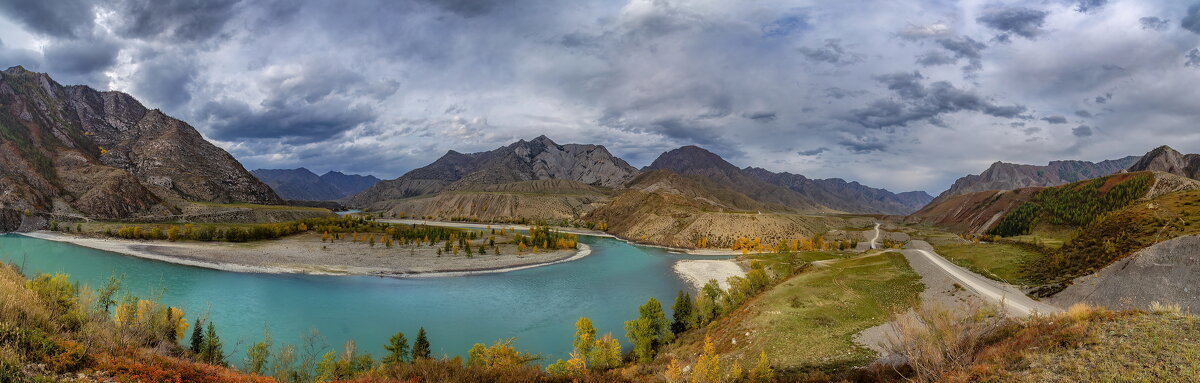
(935, 341)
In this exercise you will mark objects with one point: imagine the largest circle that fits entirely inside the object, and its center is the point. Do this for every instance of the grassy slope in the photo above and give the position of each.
(807, 323)
(1130, 348)
(999, 261)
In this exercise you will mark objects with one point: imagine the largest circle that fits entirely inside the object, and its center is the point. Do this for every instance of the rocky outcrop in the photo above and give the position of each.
(75, 151)
(1006, 176)
(538, 159)
(694, 161)
(303, 184)
(851, 197)
(1166, 159)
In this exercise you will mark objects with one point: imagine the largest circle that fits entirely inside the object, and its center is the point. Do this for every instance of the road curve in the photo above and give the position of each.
(873, 240)
(1008, 296)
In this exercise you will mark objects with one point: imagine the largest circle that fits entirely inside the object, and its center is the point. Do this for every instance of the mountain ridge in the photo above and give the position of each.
(303, 184)
(1009, 176)
(76, 151)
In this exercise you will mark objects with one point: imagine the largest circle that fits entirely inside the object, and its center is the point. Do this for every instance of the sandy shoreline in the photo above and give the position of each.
(310, 256)
(592, 233)
(699, 272)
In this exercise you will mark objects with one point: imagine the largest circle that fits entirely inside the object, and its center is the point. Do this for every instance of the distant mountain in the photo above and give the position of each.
(1166, 159)
(696, 161)
(1006, 176)
(538, 159)
(303, 184)
(846, 196)
(75, 151)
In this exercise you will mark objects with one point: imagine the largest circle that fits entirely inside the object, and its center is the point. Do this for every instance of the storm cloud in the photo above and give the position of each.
(382, 87)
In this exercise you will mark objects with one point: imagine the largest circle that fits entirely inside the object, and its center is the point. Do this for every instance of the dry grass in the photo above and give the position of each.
(935, 340)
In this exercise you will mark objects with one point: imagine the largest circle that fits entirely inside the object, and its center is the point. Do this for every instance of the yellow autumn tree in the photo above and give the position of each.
(708, 367)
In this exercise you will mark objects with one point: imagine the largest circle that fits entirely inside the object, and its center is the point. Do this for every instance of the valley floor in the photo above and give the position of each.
(307, 254)
(593, 233)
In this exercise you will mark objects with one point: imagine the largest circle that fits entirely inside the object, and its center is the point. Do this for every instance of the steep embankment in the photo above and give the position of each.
(548, 200)
(1167, 272)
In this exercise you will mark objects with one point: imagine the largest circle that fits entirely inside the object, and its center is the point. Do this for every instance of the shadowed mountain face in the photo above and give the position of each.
(1166, 159)
(73, 150)
(1006, 176)
(539, 159)
(303, 184)
(846, 196)
(694, 161)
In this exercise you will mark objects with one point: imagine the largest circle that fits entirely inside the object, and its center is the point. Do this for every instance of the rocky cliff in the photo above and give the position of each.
(75, 151)
(1165, 159)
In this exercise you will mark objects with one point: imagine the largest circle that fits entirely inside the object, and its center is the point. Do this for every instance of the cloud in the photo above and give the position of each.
(165, 78)
(925, 103)
(813, 152)
(1083, 113)
(1087, 6)
(1154, 23)
(64, 19)
(183, 20)
(1191, 22)
(920, 32)
(839, 93)
(760, 116)
(79, 60)
(832, 53)
(784, 26)
(1055, 119)
(965, 47)
(307, 104)
(1193, 58)
(1104, 98)
(1082, 131)
(1021, 21)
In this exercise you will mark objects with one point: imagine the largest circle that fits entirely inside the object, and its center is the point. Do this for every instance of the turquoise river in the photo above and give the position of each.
(538, 306)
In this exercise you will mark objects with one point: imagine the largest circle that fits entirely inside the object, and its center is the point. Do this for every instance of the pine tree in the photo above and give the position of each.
(421, 346)
(210, 350)
(198, 336)
(397, 349)
(683, 313)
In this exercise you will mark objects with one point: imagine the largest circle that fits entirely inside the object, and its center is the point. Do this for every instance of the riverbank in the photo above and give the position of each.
(307, 254)
(593, 233)
(699, 272)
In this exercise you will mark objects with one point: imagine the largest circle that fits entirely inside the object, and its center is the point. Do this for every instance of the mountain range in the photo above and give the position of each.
(1007, 176)
(74, 151)
(1006, 186)
(304, 185)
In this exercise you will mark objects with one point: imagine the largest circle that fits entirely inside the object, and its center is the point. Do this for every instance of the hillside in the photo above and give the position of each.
(75, 151)
(696, 162)
(972, 213)
(666, 208)
(303, 184)
(851, 197)
(1006, 176)
(539, 159)
(560, 201)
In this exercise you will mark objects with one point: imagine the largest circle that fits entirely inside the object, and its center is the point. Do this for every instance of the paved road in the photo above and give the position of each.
(1001, 293)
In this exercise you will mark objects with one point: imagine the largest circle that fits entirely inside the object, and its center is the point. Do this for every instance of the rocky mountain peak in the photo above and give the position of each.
(1166, 159)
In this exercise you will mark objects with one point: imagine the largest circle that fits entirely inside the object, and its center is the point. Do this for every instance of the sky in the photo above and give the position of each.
(904, 94)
